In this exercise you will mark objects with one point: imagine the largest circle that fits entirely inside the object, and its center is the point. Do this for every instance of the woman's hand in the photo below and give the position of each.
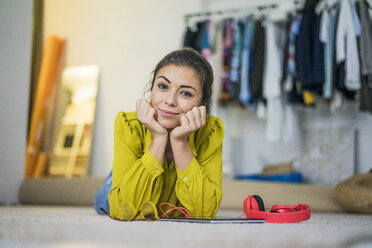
(146, 115)
(189, 122)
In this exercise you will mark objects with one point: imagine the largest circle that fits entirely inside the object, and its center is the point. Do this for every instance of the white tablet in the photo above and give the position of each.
(219, 220)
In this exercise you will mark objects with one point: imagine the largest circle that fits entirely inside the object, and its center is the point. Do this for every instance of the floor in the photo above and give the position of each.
(46, 226)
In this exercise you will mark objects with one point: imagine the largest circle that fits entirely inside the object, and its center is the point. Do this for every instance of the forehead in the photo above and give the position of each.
(181, 75)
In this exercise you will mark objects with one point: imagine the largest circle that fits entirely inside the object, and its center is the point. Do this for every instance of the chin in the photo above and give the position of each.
(168, 124)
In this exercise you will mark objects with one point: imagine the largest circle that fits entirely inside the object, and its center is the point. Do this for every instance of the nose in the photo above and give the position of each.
(171, 98)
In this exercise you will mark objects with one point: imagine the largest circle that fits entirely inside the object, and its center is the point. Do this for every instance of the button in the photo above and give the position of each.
(157, 171)
(185, 178)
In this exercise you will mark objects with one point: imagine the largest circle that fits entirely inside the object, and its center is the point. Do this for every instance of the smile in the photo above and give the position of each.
(167, 113)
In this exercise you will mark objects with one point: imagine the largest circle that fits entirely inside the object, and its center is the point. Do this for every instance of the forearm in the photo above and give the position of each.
(157, 147)
(182, 153)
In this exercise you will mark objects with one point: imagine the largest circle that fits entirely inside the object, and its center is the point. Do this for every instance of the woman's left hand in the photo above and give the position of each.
(189, 122)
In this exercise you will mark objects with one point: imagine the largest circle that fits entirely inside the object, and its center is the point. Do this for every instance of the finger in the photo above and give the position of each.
(155, 112)
(145, 108)
(138, 108)
(197, 115)
(191, 118)
(203, 114)
(150, 114)
(184, 122)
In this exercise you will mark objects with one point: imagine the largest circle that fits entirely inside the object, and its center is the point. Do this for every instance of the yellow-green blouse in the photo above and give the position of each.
(138, 177)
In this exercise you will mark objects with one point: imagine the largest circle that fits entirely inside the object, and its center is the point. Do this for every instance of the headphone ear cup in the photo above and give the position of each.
(260, 203)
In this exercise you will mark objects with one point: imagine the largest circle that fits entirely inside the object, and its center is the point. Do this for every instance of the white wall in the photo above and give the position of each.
(15, 59)
(126, 39)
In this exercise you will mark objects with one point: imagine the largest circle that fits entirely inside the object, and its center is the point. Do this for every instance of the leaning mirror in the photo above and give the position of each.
(75, 121)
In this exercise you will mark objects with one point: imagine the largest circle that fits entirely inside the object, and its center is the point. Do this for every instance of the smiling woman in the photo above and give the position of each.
(170, 149)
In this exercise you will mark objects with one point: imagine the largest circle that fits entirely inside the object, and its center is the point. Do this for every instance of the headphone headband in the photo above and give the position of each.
(279, 214)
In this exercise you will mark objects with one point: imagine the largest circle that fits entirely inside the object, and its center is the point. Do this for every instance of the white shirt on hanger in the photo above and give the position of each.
(346, 46)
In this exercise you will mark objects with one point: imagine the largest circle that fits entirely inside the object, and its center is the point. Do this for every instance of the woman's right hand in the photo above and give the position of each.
(146, 115)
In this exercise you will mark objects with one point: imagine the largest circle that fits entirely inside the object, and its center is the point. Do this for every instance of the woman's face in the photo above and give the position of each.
(176, 90)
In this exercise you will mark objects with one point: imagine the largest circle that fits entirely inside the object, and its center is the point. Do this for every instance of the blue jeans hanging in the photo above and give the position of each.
(101, 198)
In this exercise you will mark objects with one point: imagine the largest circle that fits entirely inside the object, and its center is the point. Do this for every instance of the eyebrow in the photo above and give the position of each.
(182, 86)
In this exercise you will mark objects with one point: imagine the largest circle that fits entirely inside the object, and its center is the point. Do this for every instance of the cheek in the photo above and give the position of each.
(188, 105)
(154, 99)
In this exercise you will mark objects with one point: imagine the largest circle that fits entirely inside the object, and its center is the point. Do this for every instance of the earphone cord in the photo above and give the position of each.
(183, 210)
(243, 214)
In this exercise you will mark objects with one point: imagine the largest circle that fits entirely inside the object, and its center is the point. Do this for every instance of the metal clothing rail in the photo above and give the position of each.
(230, 11)
(207, 14)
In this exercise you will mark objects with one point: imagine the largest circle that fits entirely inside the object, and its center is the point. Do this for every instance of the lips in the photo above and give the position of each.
(167, 113)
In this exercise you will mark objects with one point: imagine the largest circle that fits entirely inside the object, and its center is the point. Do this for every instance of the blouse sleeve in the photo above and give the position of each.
(134, 167)
(199, 186)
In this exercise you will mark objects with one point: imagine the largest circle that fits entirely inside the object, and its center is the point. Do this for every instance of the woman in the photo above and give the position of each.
(170, 149)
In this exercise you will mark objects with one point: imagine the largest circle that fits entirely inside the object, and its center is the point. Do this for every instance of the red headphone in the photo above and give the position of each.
(254, 208)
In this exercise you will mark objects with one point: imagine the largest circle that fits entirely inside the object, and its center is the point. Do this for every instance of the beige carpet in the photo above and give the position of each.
(43, 226)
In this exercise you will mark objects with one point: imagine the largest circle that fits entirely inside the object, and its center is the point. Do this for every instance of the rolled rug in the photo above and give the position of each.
(355, 194)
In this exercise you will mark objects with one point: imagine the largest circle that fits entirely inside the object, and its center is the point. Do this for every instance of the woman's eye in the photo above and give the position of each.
(186, 93)
(162, 86)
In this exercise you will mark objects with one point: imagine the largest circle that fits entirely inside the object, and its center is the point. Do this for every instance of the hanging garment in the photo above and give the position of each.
(274, 48)
(291, 61)
(346, 46)
(365, 44)
(205, 47)
(327, 37)
(190, 36)
(258, 53)
(310, 53)
(194, 36)
(291, 85)
(365, 41)
(339, 75)
(274, 54)
(216, 61)
(234, 82)
(227, 53)
(275, 34)
(212, 27)
(366, 94)
(356, 20)
(245, 93)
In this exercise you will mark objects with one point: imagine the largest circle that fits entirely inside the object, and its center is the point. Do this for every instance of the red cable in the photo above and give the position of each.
(183, 210)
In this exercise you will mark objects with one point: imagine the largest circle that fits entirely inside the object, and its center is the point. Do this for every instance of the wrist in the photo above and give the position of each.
(178, 141)
(175, 138)
(182, 153)
(159, 139)
(157, 147)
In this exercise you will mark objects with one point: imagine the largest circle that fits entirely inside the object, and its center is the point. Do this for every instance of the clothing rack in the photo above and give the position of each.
(230, 11)
(259, 8)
